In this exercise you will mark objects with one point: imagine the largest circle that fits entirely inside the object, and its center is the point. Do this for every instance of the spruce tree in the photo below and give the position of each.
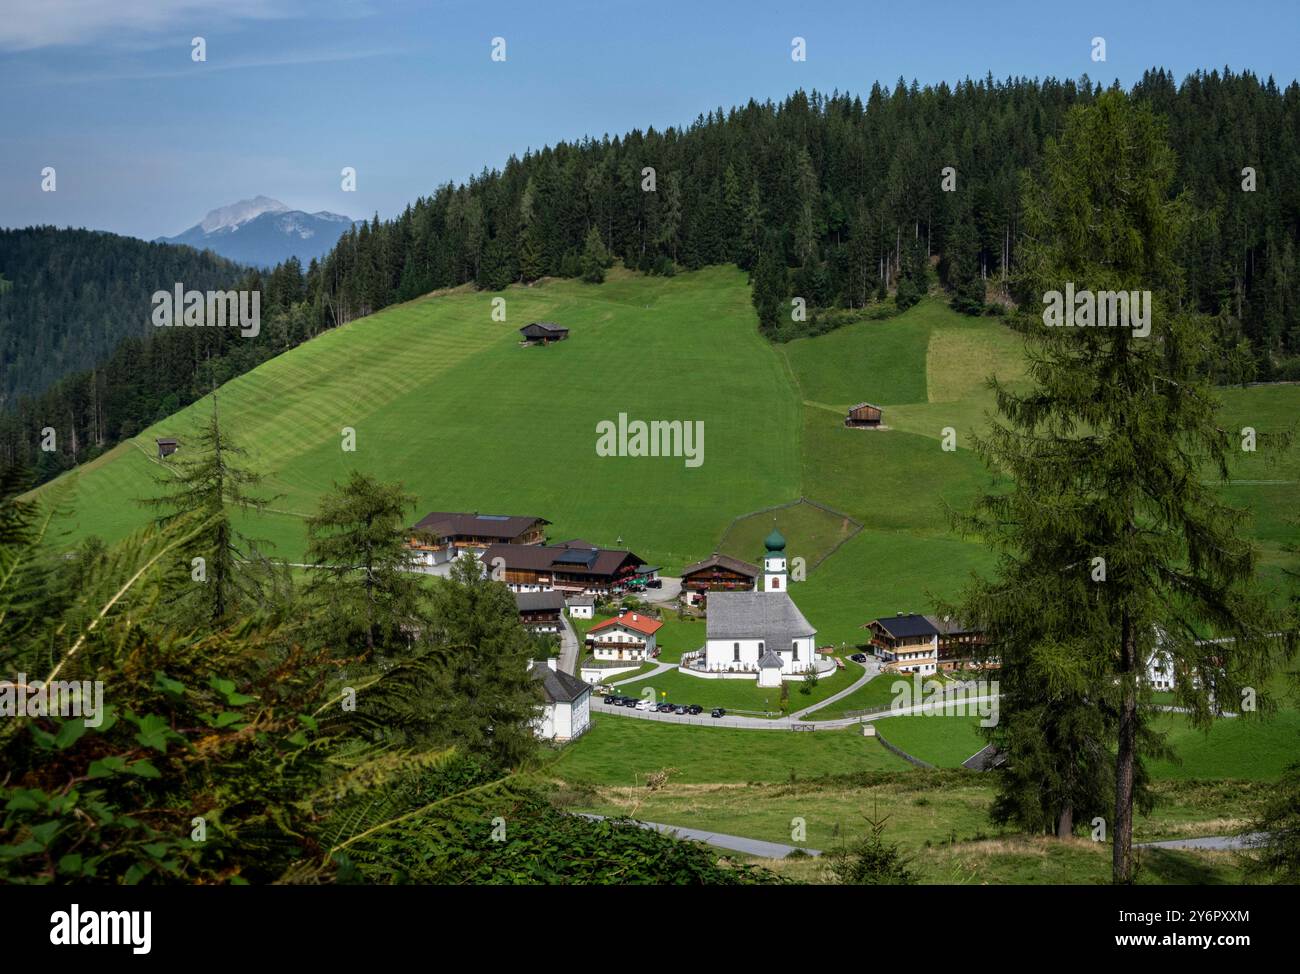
(481, 695)
(770, 288)
(595, 258)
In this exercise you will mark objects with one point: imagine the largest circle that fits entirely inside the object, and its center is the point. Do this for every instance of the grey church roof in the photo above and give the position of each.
(770, 616)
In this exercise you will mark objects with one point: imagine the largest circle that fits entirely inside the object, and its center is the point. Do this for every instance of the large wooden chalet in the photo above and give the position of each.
(863, 415)
(543, 333)
(906, 643)
(718, 573)
(960, 646)
(440, 536)
(911, 643)
(571, 566)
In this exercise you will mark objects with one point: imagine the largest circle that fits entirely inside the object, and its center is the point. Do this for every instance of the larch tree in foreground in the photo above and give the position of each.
(1113, 541)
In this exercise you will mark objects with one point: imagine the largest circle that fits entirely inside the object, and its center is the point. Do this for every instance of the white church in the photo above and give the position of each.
(760, 633)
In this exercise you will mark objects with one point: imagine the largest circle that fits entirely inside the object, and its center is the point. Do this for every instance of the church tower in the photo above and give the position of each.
(774, 575)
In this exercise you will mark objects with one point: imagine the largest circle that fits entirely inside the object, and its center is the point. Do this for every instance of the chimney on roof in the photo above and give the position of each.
(634, 617)
(551, 661)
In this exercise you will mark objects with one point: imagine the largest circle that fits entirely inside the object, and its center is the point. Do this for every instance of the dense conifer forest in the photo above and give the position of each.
(69, 297)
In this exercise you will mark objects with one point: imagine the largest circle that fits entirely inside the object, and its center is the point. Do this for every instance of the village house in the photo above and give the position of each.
(960, 646)
(543, 333)
(1162, 674)
(630, 636)
(540, 611)
(581, 606)
(573, 567)
(566, 714)
(1160, 670)
(440, 536)
(762, 633)
(906, 643)
(717, 573)
(864, 416)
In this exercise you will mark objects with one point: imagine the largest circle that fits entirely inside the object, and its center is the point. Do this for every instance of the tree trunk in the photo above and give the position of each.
(1125, 759)
(1065, 822)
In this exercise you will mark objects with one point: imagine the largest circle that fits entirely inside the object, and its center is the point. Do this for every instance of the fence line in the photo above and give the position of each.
(857, 525)
(900, 752)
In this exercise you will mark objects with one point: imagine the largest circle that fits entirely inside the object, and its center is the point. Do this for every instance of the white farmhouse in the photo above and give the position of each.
(630, 636)
(760, 632)
(581, 606)
(567, 711)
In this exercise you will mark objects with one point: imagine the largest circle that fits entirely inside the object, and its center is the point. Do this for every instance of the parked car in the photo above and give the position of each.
(859, 657)
(681, 711)
(665, 708)
(610, 699)
(695, 708)
(719, 712)
(642, 705)
(655, 583)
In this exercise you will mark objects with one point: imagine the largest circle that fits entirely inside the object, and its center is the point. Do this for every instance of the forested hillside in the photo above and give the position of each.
(833, 198)
(68, 297)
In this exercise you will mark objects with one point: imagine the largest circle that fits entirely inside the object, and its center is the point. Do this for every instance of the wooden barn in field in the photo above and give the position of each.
(167, 446)
(543, 333)
(863, 415)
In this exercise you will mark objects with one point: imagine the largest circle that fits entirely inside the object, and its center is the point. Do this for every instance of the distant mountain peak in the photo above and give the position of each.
(263, 231)
(238, 213)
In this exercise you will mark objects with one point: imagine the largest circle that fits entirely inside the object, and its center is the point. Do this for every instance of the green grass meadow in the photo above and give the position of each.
(444, 399)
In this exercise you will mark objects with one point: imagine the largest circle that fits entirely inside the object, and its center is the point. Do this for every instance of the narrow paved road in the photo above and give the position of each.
(776, 723)
(871, 668)
(779, 850)
(735, 843)
(568, 646)
(659, 668)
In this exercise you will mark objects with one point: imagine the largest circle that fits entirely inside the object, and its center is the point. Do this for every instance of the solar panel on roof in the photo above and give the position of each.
(576, 557)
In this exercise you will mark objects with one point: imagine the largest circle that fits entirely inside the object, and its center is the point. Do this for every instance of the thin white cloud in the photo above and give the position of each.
(27, 25)
(65, 77)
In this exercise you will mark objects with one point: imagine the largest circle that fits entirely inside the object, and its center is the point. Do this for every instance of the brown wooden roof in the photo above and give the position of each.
(564, 558)
(501, 526)
(722, 561)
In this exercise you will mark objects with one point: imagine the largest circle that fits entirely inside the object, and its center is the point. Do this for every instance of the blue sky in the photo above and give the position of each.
(145, 141)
